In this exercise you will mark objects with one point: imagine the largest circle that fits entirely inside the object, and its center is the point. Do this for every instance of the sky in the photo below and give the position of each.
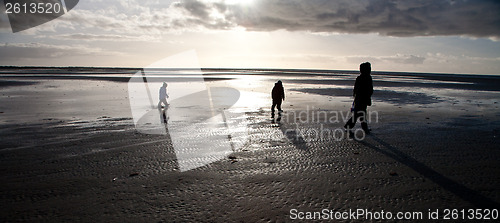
(437, 36)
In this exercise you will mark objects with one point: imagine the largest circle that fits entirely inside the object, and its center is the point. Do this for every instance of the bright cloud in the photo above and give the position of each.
(19, 51)
(426, 35)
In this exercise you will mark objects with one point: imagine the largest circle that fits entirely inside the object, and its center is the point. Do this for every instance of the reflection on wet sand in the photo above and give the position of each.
(78, 142)
(198, 125)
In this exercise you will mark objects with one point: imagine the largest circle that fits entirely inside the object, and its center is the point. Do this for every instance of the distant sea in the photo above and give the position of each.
(408, 79)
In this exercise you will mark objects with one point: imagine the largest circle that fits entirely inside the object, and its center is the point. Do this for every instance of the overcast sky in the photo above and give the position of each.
(450, 36)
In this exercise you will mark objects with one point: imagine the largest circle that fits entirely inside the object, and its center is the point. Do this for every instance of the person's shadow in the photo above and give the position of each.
(377, 144)
(163, 115)
(460, 190)
(291, 133)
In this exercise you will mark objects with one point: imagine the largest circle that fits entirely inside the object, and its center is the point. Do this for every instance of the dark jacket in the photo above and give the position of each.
(278, 93)
(363, 90)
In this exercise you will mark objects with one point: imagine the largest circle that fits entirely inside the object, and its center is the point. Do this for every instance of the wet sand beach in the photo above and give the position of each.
(70, 148)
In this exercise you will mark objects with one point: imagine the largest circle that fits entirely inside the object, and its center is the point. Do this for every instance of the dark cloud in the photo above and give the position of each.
(20, 51)
(478, 18)
(195, 7)
(398, 58)
(101, 37)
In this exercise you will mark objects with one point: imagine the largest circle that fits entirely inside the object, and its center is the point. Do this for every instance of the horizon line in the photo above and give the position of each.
(256, 69)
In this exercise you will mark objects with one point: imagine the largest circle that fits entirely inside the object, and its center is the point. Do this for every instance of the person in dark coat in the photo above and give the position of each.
(363, 90)
(278, 95)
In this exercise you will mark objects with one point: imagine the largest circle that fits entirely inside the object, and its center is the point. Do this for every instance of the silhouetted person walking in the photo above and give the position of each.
(163, 95)
(363, 90)
(278, 95)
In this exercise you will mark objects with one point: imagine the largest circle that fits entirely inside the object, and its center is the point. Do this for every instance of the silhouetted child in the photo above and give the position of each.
(163, 96)
(363, 90)
(278, 95)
